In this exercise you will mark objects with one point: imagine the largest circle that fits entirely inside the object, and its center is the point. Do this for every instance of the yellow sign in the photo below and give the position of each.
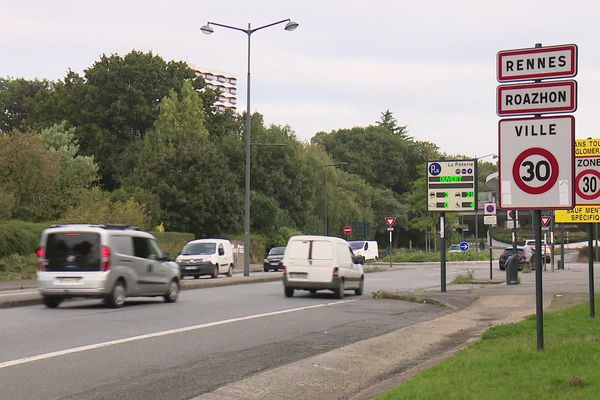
(578, 215)
(587, 148)
(587, 151)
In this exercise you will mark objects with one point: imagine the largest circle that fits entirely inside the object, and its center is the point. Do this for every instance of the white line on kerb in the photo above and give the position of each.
(46, 356)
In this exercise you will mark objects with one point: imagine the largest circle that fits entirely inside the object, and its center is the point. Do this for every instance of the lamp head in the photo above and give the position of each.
(207, 29)
(291, 25)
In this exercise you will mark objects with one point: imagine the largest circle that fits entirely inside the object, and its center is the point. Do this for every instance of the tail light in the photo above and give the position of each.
(42, 262)
(105, 261)
(336, 272)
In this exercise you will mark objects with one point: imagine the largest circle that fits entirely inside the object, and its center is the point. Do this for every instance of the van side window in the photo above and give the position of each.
(121, 245)
(221, 250)
(344, 254)
(155, 252)
(321, 250)
(366, 245)
(140, 247)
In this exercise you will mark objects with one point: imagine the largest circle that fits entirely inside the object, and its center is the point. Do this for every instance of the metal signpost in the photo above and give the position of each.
(537, 154)
(490, 219)
(451, 186)
(390, 221)
(587, 200)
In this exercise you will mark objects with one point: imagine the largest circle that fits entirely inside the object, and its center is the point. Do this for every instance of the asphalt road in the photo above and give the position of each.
(210, 337)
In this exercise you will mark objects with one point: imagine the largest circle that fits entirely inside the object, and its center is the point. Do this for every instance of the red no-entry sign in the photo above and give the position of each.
(347, 230)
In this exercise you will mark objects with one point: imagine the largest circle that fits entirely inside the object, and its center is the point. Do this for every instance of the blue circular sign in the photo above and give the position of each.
(464, 246)
(435, 168)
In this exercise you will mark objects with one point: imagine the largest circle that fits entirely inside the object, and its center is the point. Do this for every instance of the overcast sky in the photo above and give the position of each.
(432, 63)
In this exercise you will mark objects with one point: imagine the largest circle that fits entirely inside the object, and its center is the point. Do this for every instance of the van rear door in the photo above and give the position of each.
(73, 251)
(310, 260)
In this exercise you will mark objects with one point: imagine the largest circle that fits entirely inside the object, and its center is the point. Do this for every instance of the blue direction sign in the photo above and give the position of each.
(464, 246)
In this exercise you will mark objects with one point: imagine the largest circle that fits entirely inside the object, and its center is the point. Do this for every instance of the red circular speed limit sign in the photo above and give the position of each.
(535, 170)
(587, 184)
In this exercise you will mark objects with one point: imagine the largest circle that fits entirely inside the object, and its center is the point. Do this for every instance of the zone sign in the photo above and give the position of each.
(537, 163)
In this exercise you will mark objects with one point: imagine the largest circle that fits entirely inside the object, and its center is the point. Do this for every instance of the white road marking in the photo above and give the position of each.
(46, 356)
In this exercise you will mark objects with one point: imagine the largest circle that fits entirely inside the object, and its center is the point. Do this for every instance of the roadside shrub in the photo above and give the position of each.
(20, 237)
(172, 242)
(18, 267)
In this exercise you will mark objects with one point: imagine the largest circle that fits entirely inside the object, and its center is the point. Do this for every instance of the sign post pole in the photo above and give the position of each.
(390, 249)
(443, 250)
(539, 299)
(490, 247)
(591, 268)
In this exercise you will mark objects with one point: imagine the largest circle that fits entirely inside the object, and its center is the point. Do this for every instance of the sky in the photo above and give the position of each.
(431, 63)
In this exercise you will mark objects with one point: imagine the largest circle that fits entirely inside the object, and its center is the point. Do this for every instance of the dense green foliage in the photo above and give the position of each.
(136, 139)
(20, 237)
(507, 365)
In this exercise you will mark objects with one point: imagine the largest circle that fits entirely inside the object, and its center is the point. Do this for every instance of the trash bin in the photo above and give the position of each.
(512, 270)
(560, 264)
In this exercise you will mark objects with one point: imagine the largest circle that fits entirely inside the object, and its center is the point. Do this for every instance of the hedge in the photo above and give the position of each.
(20, 237)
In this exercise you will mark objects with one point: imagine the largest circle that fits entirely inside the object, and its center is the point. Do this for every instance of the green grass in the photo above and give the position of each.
(506, 364)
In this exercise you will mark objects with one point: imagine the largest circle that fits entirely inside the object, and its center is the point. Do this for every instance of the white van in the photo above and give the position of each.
(366, 248)
(206, 257)
(321, 262)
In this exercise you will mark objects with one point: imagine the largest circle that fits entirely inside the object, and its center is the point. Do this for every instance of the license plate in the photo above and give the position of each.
(69, 280)
(298, 275)
(191, 268)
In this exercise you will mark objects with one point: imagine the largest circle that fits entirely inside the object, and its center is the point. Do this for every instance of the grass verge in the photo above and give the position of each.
(505, 364)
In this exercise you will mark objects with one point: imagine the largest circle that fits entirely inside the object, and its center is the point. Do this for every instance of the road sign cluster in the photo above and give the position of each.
(537, 153)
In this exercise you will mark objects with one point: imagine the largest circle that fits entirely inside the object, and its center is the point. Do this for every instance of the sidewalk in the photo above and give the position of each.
(371, 367)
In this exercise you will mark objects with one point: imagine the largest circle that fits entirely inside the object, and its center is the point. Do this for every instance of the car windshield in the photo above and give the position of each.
(277, 251)
(356, 245)
(197, 249)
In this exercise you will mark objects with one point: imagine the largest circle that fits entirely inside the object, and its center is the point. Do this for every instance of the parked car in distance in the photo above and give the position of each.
(206, 257)
(522, 257)
(367, 248)
(545, 249)
(103, 261)
(321, 263)
(273, 260)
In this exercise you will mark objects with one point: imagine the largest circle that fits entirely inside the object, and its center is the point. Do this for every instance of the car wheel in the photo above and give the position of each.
(230, 271)
(266, 269)
(52, 301)
(289, 291)
(501, 267)
(361, 287)
(215, 273)
(173, 292)
(339, 291)
(116, 298)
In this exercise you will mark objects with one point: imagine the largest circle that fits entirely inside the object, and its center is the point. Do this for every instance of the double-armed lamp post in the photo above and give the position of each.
(207, 29)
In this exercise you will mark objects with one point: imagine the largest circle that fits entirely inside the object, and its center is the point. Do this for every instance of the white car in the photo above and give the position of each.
(321, 263)
(206, 257)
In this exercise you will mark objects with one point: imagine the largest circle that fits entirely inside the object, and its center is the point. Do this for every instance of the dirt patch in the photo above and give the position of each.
(568, 300)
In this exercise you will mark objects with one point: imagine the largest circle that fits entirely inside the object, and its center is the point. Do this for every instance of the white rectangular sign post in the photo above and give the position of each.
(537, 168)
(537, 163)
(536, 98)
(537, 63)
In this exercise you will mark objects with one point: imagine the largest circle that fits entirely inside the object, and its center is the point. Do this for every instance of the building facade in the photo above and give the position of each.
(223, 83)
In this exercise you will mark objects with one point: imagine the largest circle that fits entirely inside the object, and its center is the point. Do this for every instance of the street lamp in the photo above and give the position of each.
(208, 29)
(326, 230)
(476, 159)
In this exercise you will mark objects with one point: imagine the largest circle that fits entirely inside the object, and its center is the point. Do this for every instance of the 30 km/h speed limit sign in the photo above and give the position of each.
(536, 163)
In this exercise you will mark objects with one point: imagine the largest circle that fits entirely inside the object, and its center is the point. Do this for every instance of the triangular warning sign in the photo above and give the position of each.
(390, 221)
(546, 220)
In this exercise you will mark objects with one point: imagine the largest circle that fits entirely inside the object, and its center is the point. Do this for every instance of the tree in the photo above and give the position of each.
(29, 177)
(113, 105)
(389, 122)
(14, 94)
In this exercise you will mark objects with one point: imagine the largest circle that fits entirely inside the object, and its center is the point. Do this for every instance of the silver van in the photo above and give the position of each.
(110, 262)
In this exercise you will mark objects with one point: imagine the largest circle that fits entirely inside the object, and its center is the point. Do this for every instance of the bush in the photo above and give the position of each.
(172, 242)
(20, 237)
(18, 267)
